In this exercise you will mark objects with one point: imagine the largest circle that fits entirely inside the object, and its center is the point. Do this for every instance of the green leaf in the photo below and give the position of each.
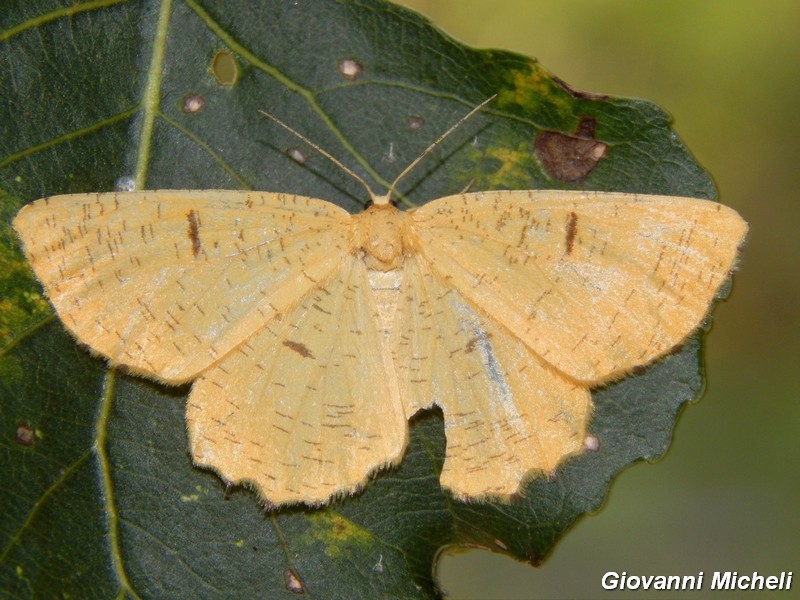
(99, 497)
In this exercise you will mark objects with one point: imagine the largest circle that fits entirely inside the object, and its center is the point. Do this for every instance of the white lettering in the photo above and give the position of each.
(731, 580)
(699, 585)
(665, 583)
(757, 580)
(690, 582)
(610, 580)
(613, 580)
(722, 581)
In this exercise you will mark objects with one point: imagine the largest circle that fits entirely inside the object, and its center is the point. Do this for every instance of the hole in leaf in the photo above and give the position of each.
(225, 68)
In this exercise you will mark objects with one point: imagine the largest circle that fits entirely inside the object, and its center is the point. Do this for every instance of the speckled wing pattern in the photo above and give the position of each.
(507, 413)
(168, 282)
(505, 309)
(309, 406)
(595, 283)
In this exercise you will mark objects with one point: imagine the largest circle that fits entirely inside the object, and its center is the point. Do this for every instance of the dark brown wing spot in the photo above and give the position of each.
(194, 232)
(470, 346)
(572, 230)
(473, 343)
(299, 348)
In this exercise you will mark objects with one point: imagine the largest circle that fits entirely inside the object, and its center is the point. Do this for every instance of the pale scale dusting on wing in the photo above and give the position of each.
(307, 408)
(507, 414)
(167, 282)
(595, 283)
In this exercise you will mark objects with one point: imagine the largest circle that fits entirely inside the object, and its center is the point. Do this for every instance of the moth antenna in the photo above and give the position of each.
(435, 143)
(386, 198)
(324, 153)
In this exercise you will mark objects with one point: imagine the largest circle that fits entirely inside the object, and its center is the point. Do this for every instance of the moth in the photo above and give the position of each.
(312, 335)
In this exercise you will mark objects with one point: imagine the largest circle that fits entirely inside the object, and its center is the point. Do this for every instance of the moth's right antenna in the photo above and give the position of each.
(387, 198)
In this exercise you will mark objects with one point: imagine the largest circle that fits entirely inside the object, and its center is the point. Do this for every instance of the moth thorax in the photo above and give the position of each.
(382, 233)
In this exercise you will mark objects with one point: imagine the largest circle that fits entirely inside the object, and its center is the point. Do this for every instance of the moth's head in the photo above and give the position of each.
(382, 235)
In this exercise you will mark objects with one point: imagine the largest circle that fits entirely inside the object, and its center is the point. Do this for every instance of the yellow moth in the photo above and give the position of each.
(313, 335)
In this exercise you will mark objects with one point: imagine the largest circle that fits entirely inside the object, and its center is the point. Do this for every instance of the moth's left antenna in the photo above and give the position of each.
(324, 153)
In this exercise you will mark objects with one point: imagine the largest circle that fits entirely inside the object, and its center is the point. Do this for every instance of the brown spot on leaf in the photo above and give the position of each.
(572, 229)
(26, 435)
(578, 93)
(586, 128)
(570, 158)
(534, 557)
(299, 348)
(194, 232)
